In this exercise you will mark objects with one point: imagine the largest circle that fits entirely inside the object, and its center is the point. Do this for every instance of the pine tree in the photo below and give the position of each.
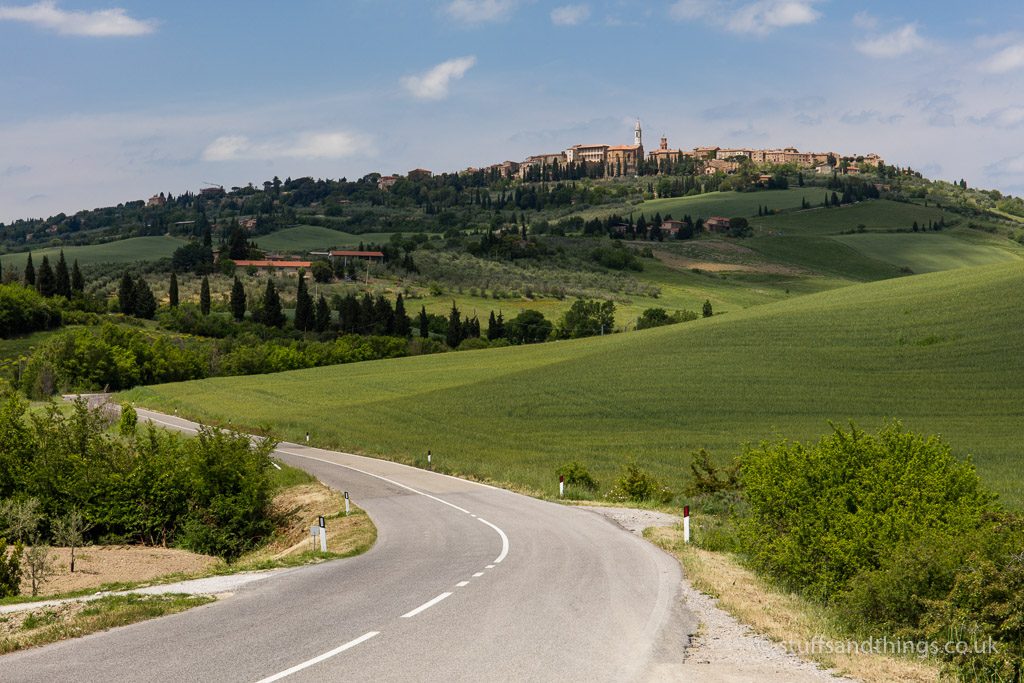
(424, 323)
(303, 306)
(46, 283)
(204, 296)
(143, 301)
(708, 312)
(62, 277)
(403, 327)
(238, 300)
(322, 315)
(272, 315)
(454, 336)
(126, 294)
(30, 272)
(172, 290)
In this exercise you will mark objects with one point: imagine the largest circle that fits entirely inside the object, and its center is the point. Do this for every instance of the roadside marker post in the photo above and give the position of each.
(428, 459)
(346, 503)
(307, 438)
(323, 534)
(561, 485)
(686, 524)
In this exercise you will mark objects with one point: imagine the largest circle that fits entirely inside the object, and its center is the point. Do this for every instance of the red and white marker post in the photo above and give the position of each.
(561, 485)
(686, 524)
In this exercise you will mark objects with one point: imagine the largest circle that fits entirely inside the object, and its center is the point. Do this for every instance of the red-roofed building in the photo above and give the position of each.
(717, 224)
(275, 266)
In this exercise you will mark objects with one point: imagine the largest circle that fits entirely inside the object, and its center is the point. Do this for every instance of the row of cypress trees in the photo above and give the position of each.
(53, 281)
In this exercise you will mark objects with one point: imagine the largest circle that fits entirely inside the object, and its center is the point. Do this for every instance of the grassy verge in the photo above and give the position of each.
(39, 627)
(785, 617)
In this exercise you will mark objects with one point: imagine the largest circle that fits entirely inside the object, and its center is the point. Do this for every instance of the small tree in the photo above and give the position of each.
(128, 421)
(424, 323)
(303, 306)
(323, 314)
(403, 328)
(10, 569)
(21, 517)
(172, 290)
(62, 277)
(272, 315)
(144, 305)
(708, 312)
(126, 294)
(30, 272)
(77, 281)
(70, 530)
(37, 562)
(238, 300)
(454, 337)
(46, 281)
(204, 296)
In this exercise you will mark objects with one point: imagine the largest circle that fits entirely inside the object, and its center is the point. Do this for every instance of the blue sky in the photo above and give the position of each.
(103, 103)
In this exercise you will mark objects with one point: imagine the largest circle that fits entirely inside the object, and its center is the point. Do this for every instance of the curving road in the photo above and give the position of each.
(465, 583)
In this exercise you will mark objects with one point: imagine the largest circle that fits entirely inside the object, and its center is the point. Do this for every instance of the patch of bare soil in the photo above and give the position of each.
(683, 263)
(100, 564)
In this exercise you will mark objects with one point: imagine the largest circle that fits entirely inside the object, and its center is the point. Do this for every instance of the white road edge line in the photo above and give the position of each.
(425, 606)
(316, 660)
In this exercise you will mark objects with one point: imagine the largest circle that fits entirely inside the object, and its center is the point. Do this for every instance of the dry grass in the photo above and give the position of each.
(783, 617)
(22, 630)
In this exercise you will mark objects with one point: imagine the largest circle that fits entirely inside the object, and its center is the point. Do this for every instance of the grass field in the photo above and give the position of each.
(929, 252)
(728, 204)
(123, 251)
(939, 351)
(878, 215)
(304, 238)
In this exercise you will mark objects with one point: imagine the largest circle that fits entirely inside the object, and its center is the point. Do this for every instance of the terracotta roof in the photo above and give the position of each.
(368, 254)
(619, 148)
(274, 264)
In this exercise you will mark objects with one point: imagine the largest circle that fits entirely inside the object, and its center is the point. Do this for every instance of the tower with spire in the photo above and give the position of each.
(638, 135)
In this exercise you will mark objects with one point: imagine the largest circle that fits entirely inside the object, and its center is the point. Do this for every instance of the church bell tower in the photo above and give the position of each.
(637, 135)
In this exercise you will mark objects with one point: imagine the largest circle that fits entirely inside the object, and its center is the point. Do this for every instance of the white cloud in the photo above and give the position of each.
(768, 15)
(479, 11)
(900, 42)
(434, 84)
(1010, 166)
(570, 15)
(97, 23)
(1007, 117)
(319, 145)
(865, 20)
(1007, 59)
(760, 18)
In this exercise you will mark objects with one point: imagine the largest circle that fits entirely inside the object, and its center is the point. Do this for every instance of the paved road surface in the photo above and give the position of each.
(465, 583)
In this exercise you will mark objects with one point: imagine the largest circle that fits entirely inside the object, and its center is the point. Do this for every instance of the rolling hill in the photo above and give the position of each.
(939, 351)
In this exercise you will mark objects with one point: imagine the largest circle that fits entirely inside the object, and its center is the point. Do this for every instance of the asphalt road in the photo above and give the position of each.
(465, 583)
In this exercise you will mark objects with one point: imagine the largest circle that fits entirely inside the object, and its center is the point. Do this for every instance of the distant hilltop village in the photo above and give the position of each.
(600, 160)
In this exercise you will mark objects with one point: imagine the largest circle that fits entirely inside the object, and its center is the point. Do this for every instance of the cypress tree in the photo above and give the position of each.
(303, 306)
(126, 294)
(172, 289)
(30, 272)
(454, 336)
(403, 327)
(46, 283)
(77, 281)
(238, 300)
(384, 316)
(424, 323)
(272, 315)
(143, 303)
(62, 276)
(323, 314)
(491, 323)
(708, 312)
(204, 296)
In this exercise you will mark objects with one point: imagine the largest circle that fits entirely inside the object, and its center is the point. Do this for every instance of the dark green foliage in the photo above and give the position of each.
(238, 245)
(23, 310)
(194, 257)
(321, 271)
(10, 569)
(577, 476)
(424, 323)
(323, 315)
(839, 507)
(62, 277)
(46, 281)
(77, 281)
(455, 336)
(128, 421)
(204, 296)
(587, 318)
(708, 311)
(303, 306)
(739, 227)
(707, 478)
(30, 272)
(126, 294)
(636, 485)
(172, 290)
(656, 317)
(144, 303)
(271, 313)
(238, 300)
(529, 327)
(496, 326)
(617, 258)
(403, 326)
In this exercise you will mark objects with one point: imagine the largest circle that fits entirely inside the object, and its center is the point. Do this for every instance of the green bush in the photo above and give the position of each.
(577, 476)
(819, 514)
(636, 485)
(10, 569)
(23, 310)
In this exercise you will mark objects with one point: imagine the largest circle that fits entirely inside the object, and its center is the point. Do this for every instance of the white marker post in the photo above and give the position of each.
(686, 524)
(428, 459)
(561, 485)
(346, 503)
(323, 534)
(307, 438)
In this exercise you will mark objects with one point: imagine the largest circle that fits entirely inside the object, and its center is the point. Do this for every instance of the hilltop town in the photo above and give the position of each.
(610, 161)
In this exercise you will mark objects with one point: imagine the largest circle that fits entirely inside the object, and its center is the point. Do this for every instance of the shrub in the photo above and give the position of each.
(577, 476)
(638, 486)
(128, 421)
(10, 569)
(706, 475)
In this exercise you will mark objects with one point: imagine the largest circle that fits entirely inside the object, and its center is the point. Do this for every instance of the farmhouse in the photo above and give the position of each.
(387, 182)
(671, 226)
(717, 224)
(274, 266)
